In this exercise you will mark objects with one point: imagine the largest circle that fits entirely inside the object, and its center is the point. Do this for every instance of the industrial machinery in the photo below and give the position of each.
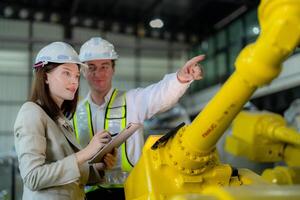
(185, 161)
(265, 137)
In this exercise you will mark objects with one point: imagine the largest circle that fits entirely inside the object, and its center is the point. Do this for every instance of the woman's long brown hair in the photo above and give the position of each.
(41, 95)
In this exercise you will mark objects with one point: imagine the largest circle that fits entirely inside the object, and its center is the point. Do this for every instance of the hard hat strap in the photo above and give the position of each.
(40, 64)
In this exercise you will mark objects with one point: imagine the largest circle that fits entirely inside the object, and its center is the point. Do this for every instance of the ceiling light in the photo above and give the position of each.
(88, 22)
(255, 30)
(74, 21)
(180, 37)
(115, 27)
(23, 14)
(204, 45)
(54, 17)
(8, 11)
(129, 29)
(194, 38)
(38, 16)
(156, 23)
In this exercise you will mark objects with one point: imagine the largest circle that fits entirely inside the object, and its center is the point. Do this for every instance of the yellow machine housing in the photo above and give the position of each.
(256, 192)
(262, 137)
(265, 137)
(283, 175)
(188, 162)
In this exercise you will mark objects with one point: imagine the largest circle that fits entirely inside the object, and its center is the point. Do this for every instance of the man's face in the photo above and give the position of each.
(99, 75)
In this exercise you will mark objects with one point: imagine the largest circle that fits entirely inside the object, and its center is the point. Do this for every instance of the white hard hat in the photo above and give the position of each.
(97, 48)
(57, 52)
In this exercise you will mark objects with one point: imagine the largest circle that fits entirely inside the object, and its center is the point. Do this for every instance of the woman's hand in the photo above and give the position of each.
(192, 70)
(96, 143)
(109, 161)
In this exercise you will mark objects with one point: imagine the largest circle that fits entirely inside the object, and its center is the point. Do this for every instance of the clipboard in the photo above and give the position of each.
(115, 142)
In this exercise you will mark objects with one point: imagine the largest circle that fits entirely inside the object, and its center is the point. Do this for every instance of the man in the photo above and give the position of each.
(107, 108)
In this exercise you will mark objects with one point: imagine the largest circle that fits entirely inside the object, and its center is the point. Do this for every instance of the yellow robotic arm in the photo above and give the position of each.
(263, 137)
(187, 162)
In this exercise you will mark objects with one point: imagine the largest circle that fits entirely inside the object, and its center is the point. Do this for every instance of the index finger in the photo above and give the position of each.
(196, 59)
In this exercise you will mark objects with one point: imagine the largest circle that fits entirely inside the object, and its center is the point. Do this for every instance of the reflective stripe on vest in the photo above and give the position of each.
(82, 122)
(114, 122)
(117, 105)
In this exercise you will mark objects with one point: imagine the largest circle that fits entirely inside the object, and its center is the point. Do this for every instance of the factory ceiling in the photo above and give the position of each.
(187, 20)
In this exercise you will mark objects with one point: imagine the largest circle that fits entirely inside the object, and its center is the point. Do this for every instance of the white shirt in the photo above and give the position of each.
(142, 104)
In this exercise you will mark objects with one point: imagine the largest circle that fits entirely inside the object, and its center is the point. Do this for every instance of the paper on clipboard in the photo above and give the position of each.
(115, 142)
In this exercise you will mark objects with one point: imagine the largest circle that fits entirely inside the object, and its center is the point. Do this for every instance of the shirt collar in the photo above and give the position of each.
(106, 98)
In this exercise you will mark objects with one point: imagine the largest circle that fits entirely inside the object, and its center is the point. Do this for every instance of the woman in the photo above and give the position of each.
(51, 162)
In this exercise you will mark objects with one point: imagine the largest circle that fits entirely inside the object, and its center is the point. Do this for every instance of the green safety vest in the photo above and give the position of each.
(114, 122)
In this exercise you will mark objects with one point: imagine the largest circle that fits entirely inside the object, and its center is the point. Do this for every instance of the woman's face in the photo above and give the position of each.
(63, 82)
